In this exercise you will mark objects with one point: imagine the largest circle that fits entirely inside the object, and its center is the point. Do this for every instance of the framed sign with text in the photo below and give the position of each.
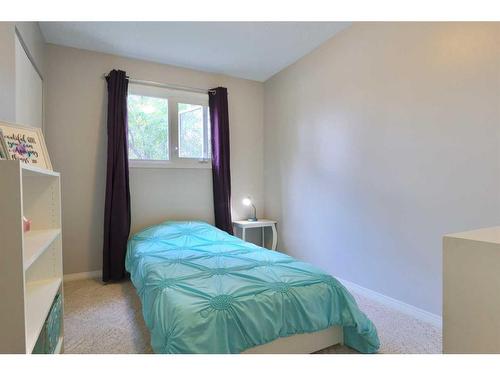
(26, 144)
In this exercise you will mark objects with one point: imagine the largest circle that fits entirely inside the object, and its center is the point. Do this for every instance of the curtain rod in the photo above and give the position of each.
(167, 85)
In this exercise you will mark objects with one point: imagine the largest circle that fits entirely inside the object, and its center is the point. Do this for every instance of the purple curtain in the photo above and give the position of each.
(221, 176)
(117, 207)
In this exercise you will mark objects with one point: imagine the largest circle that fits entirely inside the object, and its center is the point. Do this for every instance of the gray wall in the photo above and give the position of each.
(378, 143)
(76, 138)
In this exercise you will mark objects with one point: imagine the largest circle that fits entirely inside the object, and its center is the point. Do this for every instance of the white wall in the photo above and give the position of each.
(76, 138)
(29, 89)
(381, 141)
(34, 43)
(7, 72)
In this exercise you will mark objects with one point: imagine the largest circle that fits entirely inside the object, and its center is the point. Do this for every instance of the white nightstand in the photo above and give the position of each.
(261, 223)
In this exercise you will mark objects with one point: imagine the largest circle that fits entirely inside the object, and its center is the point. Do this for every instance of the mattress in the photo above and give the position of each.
(205, 291)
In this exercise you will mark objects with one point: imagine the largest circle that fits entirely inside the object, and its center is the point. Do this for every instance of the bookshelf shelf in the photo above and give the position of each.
(29, 170)
(36, 242)
(59, 347)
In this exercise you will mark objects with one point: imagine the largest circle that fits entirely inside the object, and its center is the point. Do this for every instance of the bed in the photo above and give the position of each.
(205, 291)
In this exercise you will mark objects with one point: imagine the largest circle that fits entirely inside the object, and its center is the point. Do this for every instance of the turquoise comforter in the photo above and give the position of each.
(205, 291)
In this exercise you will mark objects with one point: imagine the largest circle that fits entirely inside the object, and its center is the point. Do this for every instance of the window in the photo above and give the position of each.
(168, 128)
(194, 131)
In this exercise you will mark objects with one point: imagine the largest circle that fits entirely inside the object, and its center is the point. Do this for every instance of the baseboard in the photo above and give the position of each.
(403, 307)
(83, 275)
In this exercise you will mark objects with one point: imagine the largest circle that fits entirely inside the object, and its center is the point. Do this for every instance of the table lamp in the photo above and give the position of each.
(248, 202)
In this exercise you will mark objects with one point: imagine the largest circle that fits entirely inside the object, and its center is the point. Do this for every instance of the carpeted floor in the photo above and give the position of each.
(107, 319)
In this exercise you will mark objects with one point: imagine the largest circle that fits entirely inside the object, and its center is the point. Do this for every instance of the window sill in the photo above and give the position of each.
(180, 164)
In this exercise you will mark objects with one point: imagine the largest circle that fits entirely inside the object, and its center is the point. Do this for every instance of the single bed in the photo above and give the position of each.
(205, 291)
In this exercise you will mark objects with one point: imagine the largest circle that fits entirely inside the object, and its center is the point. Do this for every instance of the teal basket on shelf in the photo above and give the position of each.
(51, 331)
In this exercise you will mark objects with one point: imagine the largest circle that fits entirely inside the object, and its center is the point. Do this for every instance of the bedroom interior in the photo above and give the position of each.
(214, 187)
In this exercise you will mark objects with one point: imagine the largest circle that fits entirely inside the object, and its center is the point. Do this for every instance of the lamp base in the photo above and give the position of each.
(252, 219)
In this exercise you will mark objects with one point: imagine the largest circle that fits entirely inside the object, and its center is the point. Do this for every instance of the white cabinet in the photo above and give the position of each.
(471, 292)
(30, 263)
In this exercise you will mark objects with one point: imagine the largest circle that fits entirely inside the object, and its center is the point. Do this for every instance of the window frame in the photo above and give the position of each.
(174, 97)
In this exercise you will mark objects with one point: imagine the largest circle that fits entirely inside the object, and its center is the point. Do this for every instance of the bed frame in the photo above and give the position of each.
(303, 343)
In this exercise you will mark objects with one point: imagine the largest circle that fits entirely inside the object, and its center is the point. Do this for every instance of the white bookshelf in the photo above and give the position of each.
(30, 263)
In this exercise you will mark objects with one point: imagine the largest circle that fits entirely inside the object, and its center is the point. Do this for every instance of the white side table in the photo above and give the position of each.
(261, 223)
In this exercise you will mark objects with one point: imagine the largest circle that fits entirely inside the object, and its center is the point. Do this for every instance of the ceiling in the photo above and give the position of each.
(251, 50)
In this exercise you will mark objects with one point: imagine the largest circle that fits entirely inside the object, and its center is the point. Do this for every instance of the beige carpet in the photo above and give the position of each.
(107, 319)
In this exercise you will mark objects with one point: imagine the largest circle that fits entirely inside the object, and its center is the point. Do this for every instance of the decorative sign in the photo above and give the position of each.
(26, 144)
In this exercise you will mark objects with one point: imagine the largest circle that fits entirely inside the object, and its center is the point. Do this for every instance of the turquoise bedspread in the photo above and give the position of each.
(205, 291)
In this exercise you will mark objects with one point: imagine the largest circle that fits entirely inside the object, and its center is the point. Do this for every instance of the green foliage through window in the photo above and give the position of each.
(191, 131)
(147, 128)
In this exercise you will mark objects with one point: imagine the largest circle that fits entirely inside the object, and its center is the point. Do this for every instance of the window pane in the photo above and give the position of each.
(191, 142)
(147, 128)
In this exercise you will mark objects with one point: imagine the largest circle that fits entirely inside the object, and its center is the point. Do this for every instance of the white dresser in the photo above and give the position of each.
(471, 291)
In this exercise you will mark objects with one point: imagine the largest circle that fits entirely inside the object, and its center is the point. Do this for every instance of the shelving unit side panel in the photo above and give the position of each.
(12, 309)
